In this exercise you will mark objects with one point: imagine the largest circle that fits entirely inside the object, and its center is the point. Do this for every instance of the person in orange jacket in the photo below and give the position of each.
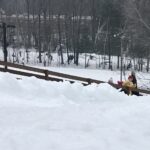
(134, 78)
(128, 86)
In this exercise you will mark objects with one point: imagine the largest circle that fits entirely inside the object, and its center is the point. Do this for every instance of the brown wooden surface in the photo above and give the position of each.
(72, 77)
(22, 67)
(50, 73)
(30, 74)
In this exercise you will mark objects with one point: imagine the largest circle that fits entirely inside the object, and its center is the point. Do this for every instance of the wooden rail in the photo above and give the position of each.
(43, 74)
(52, 76)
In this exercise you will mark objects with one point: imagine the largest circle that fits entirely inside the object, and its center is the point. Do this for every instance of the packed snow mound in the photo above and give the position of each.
(37, 114)
(33, 90)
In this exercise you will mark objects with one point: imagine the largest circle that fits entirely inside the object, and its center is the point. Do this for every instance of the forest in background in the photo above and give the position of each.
(106, 27)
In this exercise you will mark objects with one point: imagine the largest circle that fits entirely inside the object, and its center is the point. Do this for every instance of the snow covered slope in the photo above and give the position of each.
(41, 115)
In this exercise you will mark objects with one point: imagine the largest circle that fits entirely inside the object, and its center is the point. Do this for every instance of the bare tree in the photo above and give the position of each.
(60, 51)
(138, 19)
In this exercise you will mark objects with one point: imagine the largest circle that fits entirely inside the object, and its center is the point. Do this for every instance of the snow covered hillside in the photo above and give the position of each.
(37, 114)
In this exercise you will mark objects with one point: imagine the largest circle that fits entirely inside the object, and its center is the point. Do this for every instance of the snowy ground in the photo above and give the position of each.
(36, 115)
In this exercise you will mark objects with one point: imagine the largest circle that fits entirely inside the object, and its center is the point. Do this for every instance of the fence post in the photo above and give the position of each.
(46, 74)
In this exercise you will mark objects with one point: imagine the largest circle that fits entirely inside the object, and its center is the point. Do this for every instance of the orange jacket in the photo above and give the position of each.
(128, 84)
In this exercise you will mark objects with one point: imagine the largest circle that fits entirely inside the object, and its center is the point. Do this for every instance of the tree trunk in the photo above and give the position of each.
(39, 37)
(93, 12)
(67, 37)
(118, 62)
(60, 40)
(78, 32)
(73, 36)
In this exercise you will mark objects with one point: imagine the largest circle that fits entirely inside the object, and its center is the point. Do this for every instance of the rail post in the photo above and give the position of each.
(46, 74)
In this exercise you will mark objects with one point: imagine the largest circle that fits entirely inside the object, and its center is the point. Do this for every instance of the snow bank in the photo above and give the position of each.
(36, 114)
